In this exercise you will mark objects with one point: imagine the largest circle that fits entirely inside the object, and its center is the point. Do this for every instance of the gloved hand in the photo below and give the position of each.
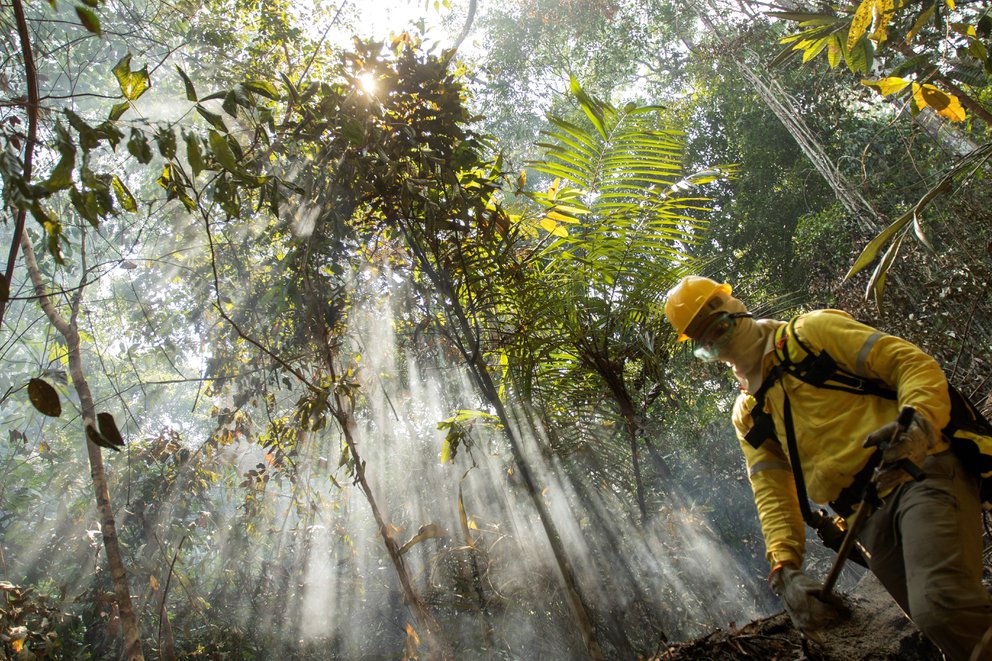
(801, 596)
(913, 444)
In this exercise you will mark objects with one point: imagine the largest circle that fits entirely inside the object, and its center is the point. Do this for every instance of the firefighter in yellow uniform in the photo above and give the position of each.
(925, 541)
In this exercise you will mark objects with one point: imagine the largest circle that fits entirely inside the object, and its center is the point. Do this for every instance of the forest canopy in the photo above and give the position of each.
(336, 332)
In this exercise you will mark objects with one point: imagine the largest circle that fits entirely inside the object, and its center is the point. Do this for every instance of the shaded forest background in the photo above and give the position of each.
(318, 343)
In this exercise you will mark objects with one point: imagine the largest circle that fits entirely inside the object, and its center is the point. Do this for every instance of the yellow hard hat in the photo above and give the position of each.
(687, 298)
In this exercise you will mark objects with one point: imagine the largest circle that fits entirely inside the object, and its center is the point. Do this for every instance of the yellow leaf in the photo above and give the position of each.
(884, 10)
(153, 582)
(965, 29)
(552, 227)
(575, 211)
(472, 525)
(860, 23)
(833, 51)
(560, 217)
(946, 105)
(887, 86)
(813, 49)
(950, 4)
(918, 96)
(17, 645)
(446, 452)
(545, 490)
(412, 643)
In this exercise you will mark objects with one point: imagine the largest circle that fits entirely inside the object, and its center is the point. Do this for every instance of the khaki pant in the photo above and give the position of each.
(926, 549)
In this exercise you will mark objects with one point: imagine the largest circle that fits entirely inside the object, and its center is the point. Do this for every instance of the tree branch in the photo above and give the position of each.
(464, 33)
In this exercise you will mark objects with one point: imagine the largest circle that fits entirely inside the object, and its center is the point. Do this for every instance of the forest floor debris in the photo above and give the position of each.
(877, 630)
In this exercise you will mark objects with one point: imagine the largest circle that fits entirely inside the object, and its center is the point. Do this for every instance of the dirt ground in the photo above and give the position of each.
(877, 630)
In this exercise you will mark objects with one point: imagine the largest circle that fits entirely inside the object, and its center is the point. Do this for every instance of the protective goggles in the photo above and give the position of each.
(713, 336)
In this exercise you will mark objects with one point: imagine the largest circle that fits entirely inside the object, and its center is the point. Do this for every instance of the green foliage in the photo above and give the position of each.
(911, 221)
(926, 51)
(458, 428)
(278, 200)
(587, 302)
(88, 19)
(133, 83)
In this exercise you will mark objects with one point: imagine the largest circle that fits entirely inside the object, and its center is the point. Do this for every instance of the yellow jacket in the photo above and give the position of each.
(830, 425)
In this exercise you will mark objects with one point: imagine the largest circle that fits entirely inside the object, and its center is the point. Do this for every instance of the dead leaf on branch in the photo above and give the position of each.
(44, 398)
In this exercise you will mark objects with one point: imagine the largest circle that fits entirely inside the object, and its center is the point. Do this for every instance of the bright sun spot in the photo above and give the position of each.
(367, 81)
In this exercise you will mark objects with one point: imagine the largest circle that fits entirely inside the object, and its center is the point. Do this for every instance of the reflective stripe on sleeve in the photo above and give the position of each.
(771, 464)
(862, 359)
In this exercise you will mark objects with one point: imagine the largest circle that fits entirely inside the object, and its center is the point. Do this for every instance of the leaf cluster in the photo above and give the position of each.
(953, 41)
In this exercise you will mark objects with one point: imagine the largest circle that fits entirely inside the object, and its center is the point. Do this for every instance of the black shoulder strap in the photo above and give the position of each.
(763, 427)
(797, 469)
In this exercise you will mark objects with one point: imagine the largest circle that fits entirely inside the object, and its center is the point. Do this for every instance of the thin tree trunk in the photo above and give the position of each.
(629, 415)
(621, 579)
(953, 141)
(572, 588)
(108, 527)
(342, 410)
(461, 331)
(430, 627)
(31, 77)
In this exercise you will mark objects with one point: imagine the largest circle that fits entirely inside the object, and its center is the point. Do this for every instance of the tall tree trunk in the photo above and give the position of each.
(573, 590)
(108, 527)
(466, 338)
(952, 140)
(609, 555)
(461, 333)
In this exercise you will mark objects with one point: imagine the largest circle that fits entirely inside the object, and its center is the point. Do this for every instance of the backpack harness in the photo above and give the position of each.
(818, 369)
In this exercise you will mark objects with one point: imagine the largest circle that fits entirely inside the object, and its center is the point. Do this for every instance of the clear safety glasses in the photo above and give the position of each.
(715, 334)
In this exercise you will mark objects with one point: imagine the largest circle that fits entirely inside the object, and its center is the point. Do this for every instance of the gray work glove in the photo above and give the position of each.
(913, 444)
(801, 596)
